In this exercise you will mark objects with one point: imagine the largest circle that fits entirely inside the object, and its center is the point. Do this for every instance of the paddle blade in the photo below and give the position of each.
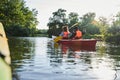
(57, 38)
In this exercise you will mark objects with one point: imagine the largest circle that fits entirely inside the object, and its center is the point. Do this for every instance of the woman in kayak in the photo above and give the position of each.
(65, 33)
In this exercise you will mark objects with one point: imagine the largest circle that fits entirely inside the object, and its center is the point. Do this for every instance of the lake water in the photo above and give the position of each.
(36, 58)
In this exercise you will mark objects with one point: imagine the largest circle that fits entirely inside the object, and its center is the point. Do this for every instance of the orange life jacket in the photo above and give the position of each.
(78, 34)
(65, 35)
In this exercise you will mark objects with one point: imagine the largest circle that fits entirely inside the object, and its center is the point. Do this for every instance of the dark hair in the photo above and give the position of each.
(65, 28)
(76, 28)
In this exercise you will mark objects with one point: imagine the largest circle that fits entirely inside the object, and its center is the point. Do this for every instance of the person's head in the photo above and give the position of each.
(65, 28)
(76, 28)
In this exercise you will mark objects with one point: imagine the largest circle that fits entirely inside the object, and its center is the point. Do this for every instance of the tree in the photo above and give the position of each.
(114, 31)
(56, 22)
(73, 18)
(14, 12)
(103, 26)
(115, 27)
(86, 24)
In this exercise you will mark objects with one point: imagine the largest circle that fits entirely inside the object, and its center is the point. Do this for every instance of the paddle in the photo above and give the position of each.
(74, 25)
(57, 38)
(60, 37)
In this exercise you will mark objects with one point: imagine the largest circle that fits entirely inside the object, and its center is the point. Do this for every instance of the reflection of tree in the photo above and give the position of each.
(101, 48)
(114, 51)
(20, 49)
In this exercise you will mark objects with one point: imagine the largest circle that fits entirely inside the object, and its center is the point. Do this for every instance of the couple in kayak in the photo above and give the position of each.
(75, 34)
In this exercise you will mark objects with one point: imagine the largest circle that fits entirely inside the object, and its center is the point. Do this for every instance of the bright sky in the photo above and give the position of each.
(45, 8)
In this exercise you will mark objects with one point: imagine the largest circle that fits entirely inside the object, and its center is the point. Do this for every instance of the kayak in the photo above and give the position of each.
(79, 44)
(5, 70)
(82, 42)
(5, 60)
(4, 48)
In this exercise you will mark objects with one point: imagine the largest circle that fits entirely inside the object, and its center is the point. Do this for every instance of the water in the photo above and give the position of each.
(36, 58)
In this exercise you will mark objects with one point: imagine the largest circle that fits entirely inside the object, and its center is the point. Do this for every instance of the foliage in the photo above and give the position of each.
(56, 22)
(87, 19)
(114, 32)
(103, 26)
(41, 32)
(115, 27)
(73, 18)
(14, 13)
(98, 36)
(87, 26)
(87, 36)
(113, 39)
(17, 30)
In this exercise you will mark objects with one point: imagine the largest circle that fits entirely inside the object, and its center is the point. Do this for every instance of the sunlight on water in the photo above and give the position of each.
(103, 69)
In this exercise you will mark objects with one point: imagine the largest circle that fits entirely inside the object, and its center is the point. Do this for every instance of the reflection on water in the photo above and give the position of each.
(37, 58)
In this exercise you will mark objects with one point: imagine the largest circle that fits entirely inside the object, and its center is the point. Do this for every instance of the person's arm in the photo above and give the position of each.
(61, 34)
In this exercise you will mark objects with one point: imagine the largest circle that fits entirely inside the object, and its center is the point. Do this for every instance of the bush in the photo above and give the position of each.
(17, 30)
(113, 39)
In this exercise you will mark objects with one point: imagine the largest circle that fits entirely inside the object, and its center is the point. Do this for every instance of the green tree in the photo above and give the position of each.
(15, 13)
(114, 31)
(115, 27)
(57, 21)
(73, 18)
(86, 24)
(103, 26)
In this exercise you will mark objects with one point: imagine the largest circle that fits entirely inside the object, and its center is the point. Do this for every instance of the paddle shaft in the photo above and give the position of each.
(74, 25)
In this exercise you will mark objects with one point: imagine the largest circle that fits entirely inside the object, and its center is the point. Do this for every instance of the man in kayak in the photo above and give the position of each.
(76, 34)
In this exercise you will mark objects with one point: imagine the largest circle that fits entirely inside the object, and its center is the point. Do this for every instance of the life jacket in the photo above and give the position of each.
(78, 34)
(65, 35)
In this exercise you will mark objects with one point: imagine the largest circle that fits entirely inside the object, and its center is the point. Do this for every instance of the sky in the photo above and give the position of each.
(45, 8)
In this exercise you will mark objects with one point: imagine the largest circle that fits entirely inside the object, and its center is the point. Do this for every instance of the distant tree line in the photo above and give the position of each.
(91, 28)
(18, 20)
